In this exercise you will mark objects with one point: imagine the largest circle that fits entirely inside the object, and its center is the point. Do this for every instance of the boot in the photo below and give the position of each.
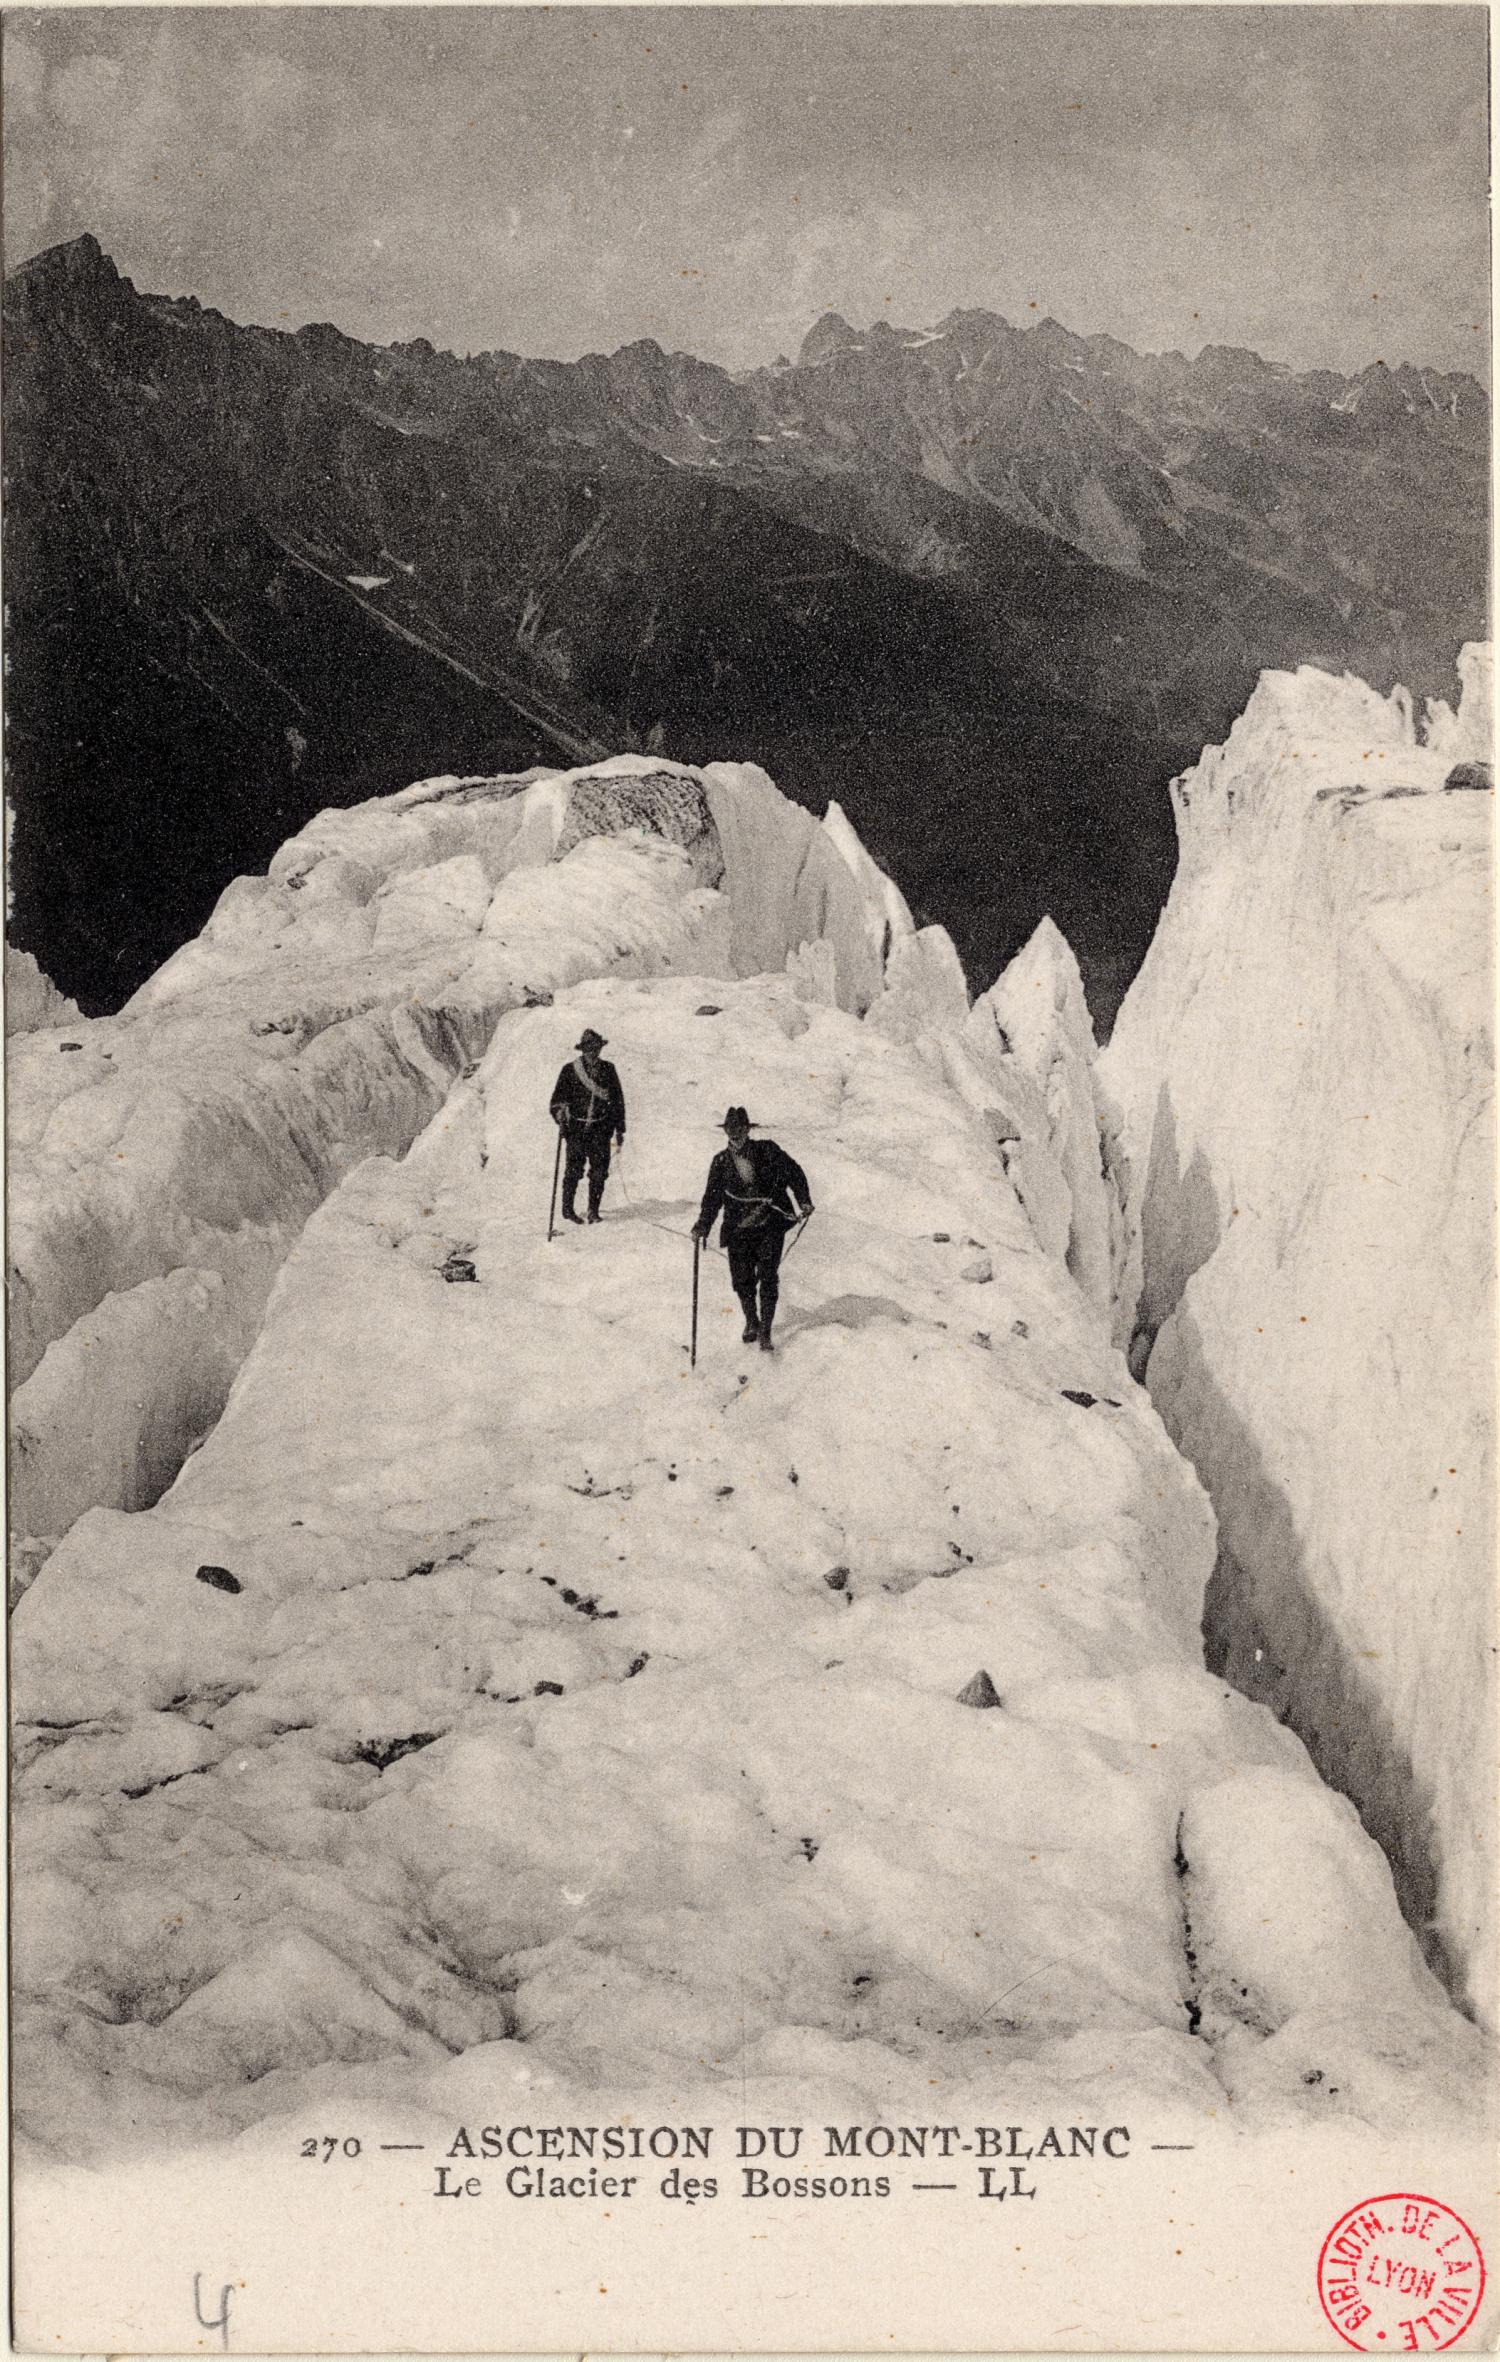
(752, 1325)
(767, 1311)
(570, 1216)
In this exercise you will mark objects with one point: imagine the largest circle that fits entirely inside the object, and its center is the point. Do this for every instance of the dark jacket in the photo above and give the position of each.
(572, 1099)
(779, 1179)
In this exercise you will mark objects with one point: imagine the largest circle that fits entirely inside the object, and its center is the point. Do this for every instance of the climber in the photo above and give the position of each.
(588, 1106)
(756, 1183)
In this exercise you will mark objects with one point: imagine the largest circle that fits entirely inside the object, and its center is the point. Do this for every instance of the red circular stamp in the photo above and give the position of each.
(1401, 2272)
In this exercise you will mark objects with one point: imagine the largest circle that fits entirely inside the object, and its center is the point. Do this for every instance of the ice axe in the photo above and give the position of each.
(697, 1259)
(556, 1169)
(802, 1225)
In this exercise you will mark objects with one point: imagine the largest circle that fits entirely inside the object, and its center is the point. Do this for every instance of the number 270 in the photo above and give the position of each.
(330, 2146)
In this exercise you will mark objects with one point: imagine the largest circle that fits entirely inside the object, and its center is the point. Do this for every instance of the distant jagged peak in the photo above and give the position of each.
(73, 262)
(79, 270)
(830, 334)
(646, 360)
(974, 321)
(324, 336)
(66, 280)
(1382, 390)
(1053, 337)
(642, 350)
(1223, 364)
(1111, 350)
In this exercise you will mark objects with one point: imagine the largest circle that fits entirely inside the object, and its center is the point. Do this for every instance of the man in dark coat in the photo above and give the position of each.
(756, 1184)
(589, 1105)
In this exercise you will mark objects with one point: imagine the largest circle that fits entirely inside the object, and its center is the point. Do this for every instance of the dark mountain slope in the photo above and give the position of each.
(987, 588)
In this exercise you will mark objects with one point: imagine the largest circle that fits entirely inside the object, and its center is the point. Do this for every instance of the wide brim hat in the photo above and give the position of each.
(736, 1120)
(589, 1040)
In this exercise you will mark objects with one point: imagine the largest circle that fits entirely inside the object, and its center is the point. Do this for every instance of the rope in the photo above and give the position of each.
(651, 1223)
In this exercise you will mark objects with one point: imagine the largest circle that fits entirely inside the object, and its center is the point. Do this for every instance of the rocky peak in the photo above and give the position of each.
(74, 263)
(1051, 337)
(831, 334)
(63, 283)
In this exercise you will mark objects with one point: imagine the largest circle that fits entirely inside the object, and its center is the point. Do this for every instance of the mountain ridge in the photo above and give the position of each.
(988, 587)
(82, 255)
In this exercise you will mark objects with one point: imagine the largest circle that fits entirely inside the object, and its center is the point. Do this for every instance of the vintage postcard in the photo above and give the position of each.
(750, 1178)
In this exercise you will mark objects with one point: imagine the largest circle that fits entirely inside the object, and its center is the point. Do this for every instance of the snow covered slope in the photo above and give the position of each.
(496, 1705)
(1304, 1076)
(163, 1161)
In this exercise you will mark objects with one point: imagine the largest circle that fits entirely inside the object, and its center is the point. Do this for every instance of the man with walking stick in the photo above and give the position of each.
(588, 1107)
(760, 1189)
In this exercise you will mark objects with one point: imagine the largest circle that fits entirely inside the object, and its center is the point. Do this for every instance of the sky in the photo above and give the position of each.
(1310, 181)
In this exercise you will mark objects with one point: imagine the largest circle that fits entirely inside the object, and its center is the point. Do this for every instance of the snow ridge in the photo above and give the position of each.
(164, 1161)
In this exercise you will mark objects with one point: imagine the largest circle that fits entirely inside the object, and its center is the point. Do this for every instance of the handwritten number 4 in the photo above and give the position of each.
(221, 2319)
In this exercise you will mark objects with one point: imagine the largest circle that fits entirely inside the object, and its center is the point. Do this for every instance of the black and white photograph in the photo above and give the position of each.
(750, 1178)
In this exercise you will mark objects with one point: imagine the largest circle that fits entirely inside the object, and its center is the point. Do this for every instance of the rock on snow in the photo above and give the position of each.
(538, 1748)
(1303, 1070)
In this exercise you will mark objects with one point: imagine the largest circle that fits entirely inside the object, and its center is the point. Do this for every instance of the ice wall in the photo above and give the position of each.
(1033, 1027)
(32, 999)
(1022, 1057)
(1303, 1078)
(495, 1705)
(163, 1161)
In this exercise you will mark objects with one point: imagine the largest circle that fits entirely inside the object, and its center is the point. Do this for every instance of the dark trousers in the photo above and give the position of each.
(754, 1264)
(587, 1145)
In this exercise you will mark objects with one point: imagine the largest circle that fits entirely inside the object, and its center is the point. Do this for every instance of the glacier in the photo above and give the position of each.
(432, 1690)
(163, 1161)
(1300, 1101)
